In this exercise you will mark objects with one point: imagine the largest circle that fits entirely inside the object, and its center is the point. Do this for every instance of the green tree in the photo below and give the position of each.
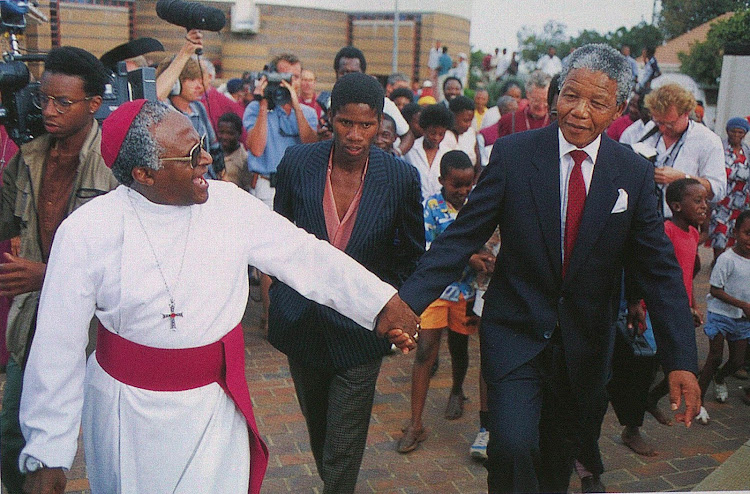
(680, 16)
(532, 44)
(638, 37)
(703, 62)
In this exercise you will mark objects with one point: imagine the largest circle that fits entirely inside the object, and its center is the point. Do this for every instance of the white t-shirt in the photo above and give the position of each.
(732, 274)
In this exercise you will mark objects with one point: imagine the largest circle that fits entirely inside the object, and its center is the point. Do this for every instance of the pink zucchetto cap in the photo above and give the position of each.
(115, 128)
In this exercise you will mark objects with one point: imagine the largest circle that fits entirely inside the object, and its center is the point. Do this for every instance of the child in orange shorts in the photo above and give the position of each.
(453, 310)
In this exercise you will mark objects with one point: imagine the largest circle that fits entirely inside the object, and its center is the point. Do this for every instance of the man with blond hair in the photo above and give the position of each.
(684, 149)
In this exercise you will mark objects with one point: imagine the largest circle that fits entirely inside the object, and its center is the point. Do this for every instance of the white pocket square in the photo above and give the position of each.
(622, 202)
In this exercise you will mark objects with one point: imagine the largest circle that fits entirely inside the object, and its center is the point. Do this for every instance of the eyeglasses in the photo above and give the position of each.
(194, 157)
(669, 125)
(62, 105)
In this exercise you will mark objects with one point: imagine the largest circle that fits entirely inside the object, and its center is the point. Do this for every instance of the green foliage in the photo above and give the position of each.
(638, 37)
(475, 60)
(679, 16)
(534, 44)
(703, 62)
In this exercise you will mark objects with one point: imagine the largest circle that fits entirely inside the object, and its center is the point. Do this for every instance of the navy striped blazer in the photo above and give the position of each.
(388, 239)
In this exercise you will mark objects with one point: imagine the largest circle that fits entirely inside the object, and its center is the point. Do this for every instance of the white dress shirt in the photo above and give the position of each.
(701, 155)
(566, 167)
(635, 132)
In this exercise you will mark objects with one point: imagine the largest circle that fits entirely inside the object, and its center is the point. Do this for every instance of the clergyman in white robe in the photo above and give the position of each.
(102, 264)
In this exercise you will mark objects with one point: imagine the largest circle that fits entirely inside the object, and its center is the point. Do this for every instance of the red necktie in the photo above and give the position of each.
(576, 200)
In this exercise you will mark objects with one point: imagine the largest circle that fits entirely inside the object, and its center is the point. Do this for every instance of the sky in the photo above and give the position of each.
(494, 23)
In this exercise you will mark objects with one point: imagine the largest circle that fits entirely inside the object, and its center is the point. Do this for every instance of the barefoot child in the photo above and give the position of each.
(453, 310)
(688, 202)
(632, 376)
(728, 311)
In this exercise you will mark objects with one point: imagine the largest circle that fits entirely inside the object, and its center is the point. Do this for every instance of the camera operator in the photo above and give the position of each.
(44, 182)
(271, 129)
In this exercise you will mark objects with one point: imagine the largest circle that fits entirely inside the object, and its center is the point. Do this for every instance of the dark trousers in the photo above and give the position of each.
(631, 380)
(535, 428)
(337, 407)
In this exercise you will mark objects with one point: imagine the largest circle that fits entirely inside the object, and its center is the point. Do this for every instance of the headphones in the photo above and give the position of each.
(176, 89)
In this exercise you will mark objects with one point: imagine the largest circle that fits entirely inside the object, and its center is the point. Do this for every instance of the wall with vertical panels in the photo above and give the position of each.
(314, 35)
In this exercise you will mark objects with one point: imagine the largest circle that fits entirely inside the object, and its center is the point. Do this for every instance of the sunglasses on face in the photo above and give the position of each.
(194, 157)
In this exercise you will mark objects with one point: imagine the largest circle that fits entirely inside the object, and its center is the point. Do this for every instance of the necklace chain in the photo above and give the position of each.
(172, 314)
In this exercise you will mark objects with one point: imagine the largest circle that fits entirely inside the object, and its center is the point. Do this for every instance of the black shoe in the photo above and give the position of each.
(592, 484)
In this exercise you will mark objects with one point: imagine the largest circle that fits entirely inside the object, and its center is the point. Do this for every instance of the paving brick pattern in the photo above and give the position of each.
(442, 463)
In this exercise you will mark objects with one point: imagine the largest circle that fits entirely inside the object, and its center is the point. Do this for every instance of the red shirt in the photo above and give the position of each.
(312, 103)
(508, 124)
(685, 249)
(617, 127)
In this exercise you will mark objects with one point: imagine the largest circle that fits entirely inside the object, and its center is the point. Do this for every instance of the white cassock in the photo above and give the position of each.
(139, 441)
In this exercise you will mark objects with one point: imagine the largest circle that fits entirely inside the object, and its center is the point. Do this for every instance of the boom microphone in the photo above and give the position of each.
(191, 15)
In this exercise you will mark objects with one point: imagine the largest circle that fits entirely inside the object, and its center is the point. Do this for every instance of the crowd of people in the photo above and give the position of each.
(376, 217)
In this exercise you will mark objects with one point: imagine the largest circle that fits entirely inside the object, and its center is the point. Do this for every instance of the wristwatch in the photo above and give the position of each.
(32, 464)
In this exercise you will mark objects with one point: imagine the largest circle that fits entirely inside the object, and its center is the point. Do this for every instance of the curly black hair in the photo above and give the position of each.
(436, 116)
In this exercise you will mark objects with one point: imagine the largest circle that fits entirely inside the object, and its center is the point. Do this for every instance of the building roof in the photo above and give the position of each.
(666, 54)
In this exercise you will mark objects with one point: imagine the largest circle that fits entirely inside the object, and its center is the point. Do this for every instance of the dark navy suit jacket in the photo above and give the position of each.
(387, 239)
(527, 298)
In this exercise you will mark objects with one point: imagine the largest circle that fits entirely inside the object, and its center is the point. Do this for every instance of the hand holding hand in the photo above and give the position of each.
(482, 262)
(19, 275)
(398, 323)
(684, 384)
(45, 481)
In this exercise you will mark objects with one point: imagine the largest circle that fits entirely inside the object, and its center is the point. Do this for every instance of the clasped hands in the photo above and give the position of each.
(398, 323)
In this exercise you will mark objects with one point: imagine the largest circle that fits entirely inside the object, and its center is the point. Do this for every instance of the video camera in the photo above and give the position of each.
(22, 120)
(275, 93)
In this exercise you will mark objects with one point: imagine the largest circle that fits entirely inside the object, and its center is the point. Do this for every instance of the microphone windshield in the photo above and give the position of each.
(191, 15)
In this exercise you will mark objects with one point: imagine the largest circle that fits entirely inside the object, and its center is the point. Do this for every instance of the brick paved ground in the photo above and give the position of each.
(442, 463)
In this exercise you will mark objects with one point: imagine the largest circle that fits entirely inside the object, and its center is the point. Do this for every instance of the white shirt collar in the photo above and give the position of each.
(592, 149)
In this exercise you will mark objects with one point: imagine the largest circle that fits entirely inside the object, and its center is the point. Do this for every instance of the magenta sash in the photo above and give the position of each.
(159, 369)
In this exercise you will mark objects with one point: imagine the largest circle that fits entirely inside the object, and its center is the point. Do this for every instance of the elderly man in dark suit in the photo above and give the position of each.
(366, 203)
(574, 209)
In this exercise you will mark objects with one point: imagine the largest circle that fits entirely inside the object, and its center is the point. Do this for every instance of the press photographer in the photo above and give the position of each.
(274, 121)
